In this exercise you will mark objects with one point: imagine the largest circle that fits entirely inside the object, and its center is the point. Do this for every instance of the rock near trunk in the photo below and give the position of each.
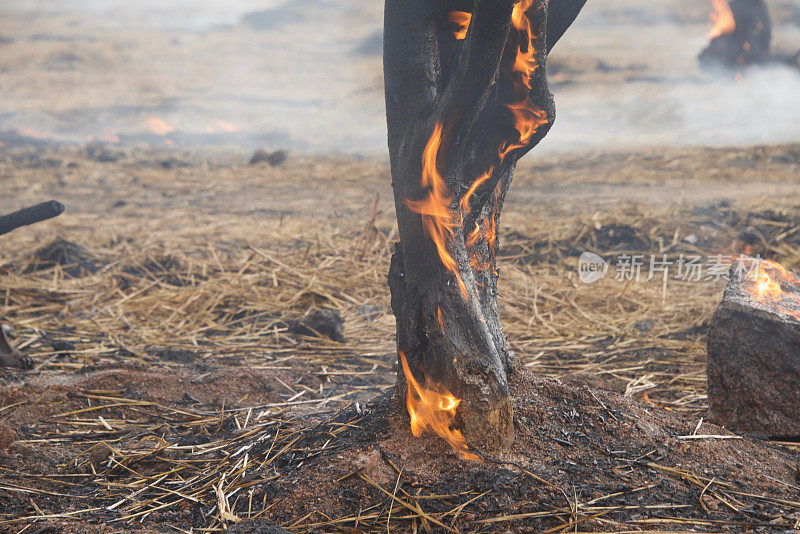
(754, 361)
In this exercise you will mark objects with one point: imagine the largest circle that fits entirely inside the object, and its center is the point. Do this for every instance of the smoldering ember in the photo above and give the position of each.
(227, 307)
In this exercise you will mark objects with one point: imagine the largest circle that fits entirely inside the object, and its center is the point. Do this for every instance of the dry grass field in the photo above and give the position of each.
(159, 314)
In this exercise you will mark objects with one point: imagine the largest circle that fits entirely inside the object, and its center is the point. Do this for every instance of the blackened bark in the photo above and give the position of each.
(466, 86)
(560, 16)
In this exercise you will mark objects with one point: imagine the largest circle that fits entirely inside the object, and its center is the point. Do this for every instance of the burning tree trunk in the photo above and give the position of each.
(466, 97)
(741, 34)
(754, 354)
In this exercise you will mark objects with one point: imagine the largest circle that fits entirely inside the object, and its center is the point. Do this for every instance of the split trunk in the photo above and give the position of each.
(461, 110)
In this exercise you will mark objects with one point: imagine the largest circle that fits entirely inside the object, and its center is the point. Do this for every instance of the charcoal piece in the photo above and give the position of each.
(274, 158)
(73, 259)
(325, 323)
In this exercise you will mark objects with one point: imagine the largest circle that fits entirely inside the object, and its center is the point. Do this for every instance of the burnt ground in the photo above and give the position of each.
(582, 458)
(172, 388)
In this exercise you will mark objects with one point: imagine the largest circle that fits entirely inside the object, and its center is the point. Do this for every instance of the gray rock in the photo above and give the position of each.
(753, 363)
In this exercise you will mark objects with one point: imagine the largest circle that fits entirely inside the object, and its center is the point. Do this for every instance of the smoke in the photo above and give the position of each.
(176, 15)
(760, 107)
(633, 80)
(306, 74)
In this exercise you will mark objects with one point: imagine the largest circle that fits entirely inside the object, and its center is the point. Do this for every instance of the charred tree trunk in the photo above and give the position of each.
(462, 107)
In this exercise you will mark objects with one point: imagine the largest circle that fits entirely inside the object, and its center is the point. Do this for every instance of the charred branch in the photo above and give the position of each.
(561, 14)
(9, 356)
(34, 214)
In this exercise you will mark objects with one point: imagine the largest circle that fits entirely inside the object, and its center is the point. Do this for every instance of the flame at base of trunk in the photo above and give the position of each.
(433, 408)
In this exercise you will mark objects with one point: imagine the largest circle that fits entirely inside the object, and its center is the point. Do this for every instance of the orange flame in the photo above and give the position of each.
(462, 20)
(492, 230)
(159, 127)
(433, 409)
(527, 120)
(490, 233)
(474, 187)
(525, 62)
(528, 117)
(438, 219)
(722, 17)
(766, 287)
(473, 236)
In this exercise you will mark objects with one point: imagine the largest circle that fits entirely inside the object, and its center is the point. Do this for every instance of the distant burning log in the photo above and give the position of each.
(741, 34)
(754, 353)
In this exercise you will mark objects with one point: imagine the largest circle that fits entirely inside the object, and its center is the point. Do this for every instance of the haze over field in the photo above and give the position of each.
(306, 74)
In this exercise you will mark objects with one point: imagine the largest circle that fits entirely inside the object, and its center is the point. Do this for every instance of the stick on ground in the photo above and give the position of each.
(34, 214)
(9, 356)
